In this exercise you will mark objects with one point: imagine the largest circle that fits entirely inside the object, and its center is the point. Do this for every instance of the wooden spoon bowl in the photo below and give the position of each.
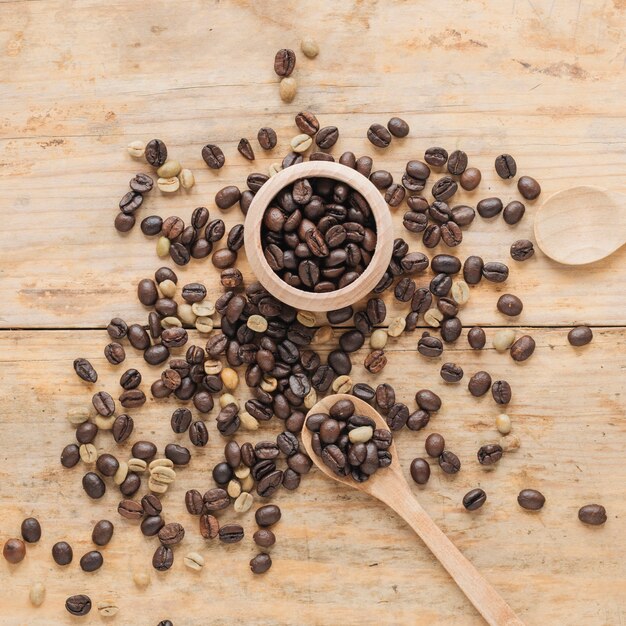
(307, 300)
(389, 486)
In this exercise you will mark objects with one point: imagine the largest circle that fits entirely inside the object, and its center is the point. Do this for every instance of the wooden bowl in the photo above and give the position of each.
(307, 300)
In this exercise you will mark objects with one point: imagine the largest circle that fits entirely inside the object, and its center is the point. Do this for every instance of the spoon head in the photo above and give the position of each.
(361, 408)
(581, 225)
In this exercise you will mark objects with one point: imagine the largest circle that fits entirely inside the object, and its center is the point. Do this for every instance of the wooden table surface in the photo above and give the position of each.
(541, 79)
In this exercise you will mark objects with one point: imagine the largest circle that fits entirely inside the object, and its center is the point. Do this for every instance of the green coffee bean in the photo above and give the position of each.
(169, 169)
(168, 185)
(187, 179)
(136, 149)
(361, 434)
(243, 502)
(503, 424)
(309, 47)
(288, 88)
(306, 318)
(257, 323)
(396, 326)
(163, 246)
(167, 288)
(37, 594)
(378, 339)
(194, 561)
(301, 143)
(503, 339)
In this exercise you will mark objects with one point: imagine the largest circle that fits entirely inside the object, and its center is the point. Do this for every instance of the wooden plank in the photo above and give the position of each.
(544, 81)
(339, 557)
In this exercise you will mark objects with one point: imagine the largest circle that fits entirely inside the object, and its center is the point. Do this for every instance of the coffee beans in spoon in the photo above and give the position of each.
(318, 235)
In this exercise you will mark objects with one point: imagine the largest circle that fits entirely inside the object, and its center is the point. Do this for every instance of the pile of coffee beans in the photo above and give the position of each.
(318, 235)
(348, 443)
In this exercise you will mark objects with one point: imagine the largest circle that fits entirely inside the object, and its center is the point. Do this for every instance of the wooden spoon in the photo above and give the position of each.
(389, 486)
(581, 225)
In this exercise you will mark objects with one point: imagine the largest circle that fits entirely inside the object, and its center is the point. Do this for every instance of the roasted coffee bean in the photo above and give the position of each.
(489, 207)
(62, 553)
(151, 525)
(130, 202)
(307, 122)
(385, 397)
(476, 338)
(70, 455)
(428, 400)
(245, 149)
(397, 416)
(351, 340)
(415, 222)
(470, 179)
(132, 398)
(420, 471)
(463, 215)
(440, 285)
(151, 225)
(209, 526)
(435, 445)
(93, 485)
(501, 391)
(432, 236)
(267, 138)
(375, 361)
(86, 432)
(451, 234)
(130, 509)
(444, 188)
(510, 305)
(580, 336)
(156, 152)
(227, 197)
(124, 223)
(446, 264)
(284, 62)
(531, 499)
(156, 354)
(381, 179)
(260, 563)
(107, 464)
(78, 605)
(436, 156)
(91, 561)
(429, 346)
(523, 348)
(422, 301)
(231, 533)
(505, 166)
(395, 195)
(171, 534)
(31, 530)
(528, 187)
(103, 403)
(198, 434)
(213, 156)
(449, 462)
(267, 515)
(216, 499)
(489, 454)
(479, 384)
(592, 514)
(131, 484)
(474, 499)
(513, 212)
(495, 272)
(451, 372)
(398, 127)
(130, 379)
(473, 270)
(327, 137)
(457, 162)
(264, 538)
(117, 328)
(179, 455)
(163, 558)
(138, 337)
(151, 504)
(379, 135)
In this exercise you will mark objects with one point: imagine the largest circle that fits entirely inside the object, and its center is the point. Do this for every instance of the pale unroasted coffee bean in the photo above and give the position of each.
(301, 143)
(141, 579)
(274, 168)
(107, 608)
(309, 47)
(460, 292)
(170, 168)
(243, 502)
(194, 561)
(88, 453)
(510, 443)
(306, 318)
(186, 178)
(503, 424)
(288, 88)
(136, 149)
(248, 421)
(433, 317)
(205, 308)
(503, 339)
(396, 326)
(37, 594)
(163, 246)
(230, 378)
(168, 185)
(378, 339)
(171, 322)
(137, 465)
(342, 384)
(361, 434)
(257, 323)
(323, 334)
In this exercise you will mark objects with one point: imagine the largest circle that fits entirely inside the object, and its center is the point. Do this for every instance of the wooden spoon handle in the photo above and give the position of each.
(480, 593)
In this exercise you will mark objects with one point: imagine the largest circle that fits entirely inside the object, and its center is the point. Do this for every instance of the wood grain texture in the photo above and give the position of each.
(338, 552)
(541, 79)
(321, 301)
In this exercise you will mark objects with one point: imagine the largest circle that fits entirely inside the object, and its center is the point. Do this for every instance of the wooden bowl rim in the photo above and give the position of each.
(297, 298)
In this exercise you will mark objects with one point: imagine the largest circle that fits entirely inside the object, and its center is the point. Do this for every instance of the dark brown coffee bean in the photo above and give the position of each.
(394, 195)
(130, 379)
(267, 515)
(327, 137)
(457, 162)
(429, 346)
(284, 62)
(131, 484)
(436, 156)
(85, 370)
(476, 338)
(415, 222)
(440, 285)
(102, 532)
(132, 398)
(223, 258)
(156, 152)
(379, 135)
(398, 127)
(171, 534)
(267, 138)
(198, 434)
(209, 526)
(70, 455)
(107, 464)
(523, 348)
(31, 530)
(451, 234)
(435, 445)
(103, 403)
(580, 336)
(479, 384)
(489, 207)
(495, 272)
(151, 525)
(231, 533)
(420, 471)
(592, 514)
(227, 197)
(245, 149)
(528, 187)
(163, 558)
(145, 450)
(156, 354)
(473, 270)
(428, 400)
(213, 156)
(179, 455)
(531, 499)
(93, 485)
(307, 122)
(62, 553)
(513, 212)
(78, 605)
(124, 223)
(260, 563)
(501, 392)
(522, 249)
(470, 178)
(215, 230)
(474, 499)
(194, 502)
(451, 372)
(444, 188)
(510, 305)
(432, 236)
(151, 225)
(449, 462)
(130, 509)
(489, 454)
